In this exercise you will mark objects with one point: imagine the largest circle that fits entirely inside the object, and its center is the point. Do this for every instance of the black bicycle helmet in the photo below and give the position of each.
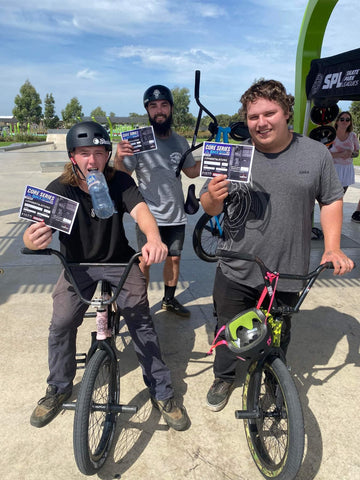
(248, 335)
(158, 92)
(87, 134)
(325, 134)
(324, 115)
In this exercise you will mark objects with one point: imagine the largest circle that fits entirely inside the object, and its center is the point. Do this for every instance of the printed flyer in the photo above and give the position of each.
(235, 161)
(142, 139)
(56, 211)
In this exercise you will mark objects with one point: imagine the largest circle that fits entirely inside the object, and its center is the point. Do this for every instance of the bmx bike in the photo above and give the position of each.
(97, 405)
(271, 407)
(208, 229)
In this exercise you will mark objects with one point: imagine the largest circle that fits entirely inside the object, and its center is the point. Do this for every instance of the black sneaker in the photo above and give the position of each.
(48, 407)
(219, 394)
(355, 217)
(176, 417)
(172, 305)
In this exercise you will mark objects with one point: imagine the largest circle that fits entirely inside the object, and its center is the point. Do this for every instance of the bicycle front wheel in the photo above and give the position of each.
(206, 234)
(276, 437)
(94, 423)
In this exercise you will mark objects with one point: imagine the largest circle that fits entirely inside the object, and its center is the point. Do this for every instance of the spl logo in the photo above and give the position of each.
(332, 79)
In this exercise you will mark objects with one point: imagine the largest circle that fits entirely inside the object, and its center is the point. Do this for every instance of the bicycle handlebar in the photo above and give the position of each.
(68, 265)
(309, 279)
(214, 124)
(289, 276)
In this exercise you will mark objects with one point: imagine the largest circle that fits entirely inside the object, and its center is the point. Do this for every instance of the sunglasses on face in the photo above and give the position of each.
(344, 119)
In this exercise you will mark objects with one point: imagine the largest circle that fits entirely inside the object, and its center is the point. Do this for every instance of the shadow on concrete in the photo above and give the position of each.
(310, 358)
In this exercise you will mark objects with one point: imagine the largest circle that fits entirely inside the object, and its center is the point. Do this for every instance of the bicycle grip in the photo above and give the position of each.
(197, 85)
(28, 251)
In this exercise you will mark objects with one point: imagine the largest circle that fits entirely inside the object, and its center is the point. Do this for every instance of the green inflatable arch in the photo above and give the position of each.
(312, 32)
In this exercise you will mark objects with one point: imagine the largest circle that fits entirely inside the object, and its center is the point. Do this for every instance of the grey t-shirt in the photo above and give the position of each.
(271, 217)
(157, 181)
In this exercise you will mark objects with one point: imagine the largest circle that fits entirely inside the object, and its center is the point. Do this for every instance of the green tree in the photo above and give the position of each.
(72, 113)
(355, 113)
(27, 105)
(181, 116)
(98, 112)
(112, 114)
(50, 119)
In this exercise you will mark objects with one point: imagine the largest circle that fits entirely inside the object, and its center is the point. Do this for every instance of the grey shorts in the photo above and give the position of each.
(173, 236)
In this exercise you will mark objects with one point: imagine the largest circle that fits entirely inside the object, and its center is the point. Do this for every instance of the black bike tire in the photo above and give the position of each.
(87, 423)
(287, 467)
(204, 241)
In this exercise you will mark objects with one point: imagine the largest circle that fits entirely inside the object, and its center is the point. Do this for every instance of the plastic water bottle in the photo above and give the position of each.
(99, 192)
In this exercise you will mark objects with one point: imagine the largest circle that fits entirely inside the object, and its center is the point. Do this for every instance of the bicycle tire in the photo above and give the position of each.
(275, 439)
(94, 430)
(205, 237)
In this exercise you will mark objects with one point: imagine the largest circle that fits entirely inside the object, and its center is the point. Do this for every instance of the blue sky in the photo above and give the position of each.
(106, 53)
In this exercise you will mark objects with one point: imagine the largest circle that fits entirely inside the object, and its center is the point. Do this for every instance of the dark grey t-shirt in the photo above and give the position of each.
(272, 216)
(158, 183)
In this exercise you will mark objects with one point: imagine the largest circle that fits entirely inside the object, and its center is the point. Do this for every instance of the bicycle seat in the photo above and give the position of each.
(192, 203)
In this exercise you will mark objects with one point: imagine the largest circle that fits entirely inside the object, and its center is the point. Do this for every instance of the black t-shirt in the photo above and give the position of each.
(93, 239)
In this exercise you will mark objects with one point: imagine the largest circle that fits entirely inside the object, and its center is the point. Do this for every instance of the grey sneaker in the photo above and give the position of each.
(174, 306)
(219, 394)
(176, 417)
(48, 407)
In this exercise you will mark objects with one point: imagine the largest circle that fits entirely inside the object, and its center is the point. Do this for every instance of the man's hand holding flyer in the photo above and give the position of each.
(141, 139)
(235, 161)
(56, 211)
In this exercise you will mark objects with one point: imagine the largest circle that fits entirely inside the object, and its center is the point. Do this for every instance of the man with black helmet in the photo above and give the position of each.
(101, 240)
(161, 188)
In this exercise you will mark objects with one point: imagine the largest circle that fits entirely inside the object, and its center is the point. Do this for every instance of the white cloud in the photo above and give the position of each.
(120, 47)
(87, 74)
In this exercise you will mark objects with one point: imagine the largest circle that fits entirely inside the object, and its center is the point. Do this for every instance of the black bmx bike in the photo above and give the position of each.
(97, 405)
(208, 229)
(271, 407)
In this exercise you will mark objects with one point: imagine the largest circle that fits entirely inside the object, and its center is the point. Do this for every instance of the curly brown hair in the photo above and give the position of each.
(271, 90)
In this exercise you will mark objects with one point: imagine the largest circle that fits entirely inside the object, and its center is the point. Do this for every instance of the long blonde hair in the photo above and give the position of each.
(69, 177)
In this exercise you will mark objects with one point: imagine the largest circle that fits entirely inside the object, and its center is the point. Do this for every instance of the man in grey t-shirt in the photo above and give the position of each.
(270, 217)
(161, 188)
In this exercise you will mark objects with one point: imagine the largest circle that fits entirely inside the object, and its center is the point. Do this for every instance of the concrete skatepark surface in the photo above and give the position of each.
(323, 354)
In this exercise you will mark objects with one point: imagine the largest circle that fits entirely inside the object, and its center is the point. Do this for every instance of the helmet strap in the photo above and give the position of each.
(216, 344)
(268, 290)
(76, 169)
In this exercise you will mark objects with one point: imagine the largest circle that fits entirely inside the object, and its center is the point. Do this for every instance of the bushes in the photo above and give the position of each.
(22, 138)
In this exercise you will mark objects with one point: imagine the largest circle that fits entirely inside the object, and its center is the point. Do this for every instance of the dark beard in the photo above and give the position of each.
(161, 128)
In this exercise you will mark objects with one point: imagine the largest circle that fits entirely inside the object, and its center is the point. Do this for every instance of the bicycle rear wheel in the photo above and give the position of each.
(94, 423)
(276, 437)
(206, 234)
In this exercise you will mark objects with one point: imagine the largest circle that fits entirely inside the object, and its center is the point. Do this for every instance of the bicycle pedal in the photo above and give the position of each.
(246, 414)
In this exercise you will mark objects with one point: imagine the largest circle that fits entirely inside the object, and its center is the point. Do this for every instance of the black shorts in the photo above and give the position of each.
(173, 236)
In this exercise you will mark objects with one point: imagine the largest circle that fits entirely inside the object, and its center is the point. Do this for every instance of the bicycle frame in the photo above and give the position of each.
(97, 303)
(215, 220)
